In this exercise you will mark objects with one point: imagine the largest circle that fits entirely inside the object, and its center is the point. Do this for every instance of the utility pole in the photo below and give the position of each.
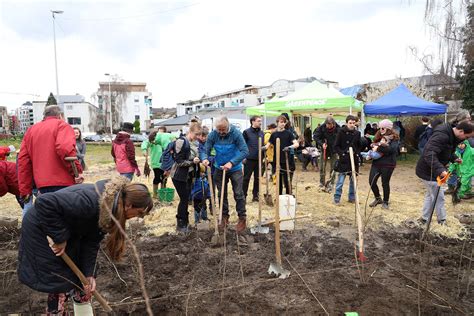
(55, 55)
(110, 105)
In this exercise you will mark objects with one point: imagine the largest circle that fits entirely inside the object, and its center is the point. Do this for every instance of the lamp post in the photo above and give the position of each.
(110, 105)
(55, 56)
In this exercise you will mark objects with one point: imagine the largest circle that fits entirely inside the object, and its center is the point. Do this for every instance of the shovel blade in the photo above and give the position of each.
(278, 271)
(259, 230)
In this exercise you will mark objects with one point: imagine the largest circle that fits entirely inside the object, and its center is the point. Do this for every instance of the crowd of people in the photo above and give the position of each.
(77, 216)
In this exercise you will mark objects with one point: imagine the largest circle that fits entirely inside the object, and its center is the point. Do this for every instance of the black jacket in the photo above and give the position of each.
(389, 158)
(181, 170)
(418, 131)
(438, 152)
(323, 135)
(251, 136)
(347, 138)
(71, 215)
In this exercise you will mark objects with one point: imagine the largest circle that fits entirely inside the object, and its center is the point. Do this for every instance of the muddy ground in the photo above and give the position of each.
(188, 275)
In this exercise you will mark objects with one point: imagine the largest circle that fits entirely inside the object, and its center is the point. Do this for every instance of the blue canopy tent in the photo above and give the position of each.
(402, 102)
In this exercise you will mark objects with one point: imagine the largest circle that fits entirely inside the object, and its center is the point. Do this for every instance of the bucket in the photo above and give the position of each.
(83, 309)
(287, 210)
(166, 194)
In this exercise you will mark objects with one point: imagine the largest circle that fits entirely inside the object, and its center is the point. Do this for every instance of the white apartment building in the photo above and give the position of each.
(25, 116)
(77, 113)
(248, 96)
(130, 101)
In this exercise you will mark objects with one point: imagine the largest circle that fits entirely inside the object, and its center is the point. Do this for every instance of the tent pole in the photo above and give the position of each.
(446, 117)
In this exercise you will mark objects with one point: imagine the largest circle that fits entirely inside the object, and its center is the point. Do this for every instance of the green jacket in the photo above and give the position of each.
(155, 148)
(466, 168)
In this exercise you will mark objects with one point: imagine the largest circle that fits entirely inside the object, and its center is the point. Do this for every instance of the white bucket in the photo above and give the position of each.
(83, 309)
(287, 210)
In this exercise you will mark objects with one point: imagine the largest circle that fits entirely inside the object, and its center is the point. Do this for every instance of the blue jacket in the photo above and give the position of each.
(229, 148)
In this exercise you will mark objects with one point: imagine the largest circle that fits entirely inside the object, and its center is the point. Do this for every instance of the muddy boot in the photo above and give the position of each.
(155, 191)
(241, 225)
(224, 223)
(376, 202)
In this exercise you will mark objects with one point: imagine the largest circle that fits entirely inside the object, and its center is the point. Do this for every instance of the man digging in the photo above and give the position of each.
(230, 149)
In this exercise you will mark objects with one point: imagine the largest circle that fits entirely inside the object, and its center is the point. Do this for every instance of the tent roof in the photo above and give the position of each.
(401, 101)
(314, 97)
(352, 91)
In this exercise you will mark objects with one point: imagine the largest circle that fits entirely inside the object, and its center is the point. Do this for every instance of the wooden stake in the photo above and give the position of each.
(259, 179)
(213, 199)
(221, 205)
(358, 214)
(277, 205)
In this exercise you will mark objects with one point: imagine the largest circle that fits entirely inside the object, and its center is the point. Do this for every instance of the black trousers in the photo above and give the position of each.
(284, 174)
(251, 167)
(386, 174)
(183, 188)
(158, 176)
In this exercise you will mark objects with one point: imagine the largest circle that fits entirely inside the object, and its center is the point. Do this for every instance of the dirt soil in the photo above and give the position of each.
(188, 275)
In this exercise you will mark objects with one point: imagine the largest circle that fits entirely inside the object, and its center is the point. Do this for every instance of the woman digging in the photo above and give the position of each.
(76, 219)
(384, 166)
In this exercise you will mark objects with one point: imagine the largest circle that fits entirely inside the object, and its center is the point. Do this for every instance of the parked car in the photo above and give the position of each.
(107, 138)
(93, 138)
(137, 138)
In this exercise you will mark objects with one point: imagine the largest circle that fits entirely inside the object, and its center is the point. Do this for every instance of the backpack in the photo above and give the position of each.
(200, 189)
(167, 157)
(423, 139)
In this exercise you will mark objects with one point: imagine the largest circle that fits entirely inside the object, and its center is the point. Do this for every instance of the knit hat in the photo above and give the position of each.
(387, 124)
(12, 148)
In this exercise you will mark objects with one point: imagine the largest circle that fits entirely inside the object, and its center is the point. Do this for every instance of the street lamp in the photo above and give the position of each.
(55, 56)
(110, 105)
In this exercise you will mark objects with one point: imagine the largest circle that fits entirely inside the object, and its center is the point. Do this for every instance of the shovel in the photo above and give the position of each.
(82, 278)
(216, 238)
(360, 227)
(288, 173)
(276, 267)
(268, 197)
(73, 165)
(259, 229)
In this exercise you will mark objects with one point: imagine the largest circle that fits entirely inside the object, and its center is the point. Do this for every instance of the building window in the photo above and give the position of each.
(74, 120)
(221, 104)
(241, 101)
(136, 99)
(137, 117)
(137, 108)
(69, 107)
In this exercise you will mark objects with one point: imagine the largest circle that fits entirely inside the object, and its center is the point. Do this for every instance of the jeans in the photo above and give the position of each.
(340, 183)
(183, 188)
(128, 175)
(236, 178)
(431, 189)
(200, 210)
(251, 167)
(453, 179)
(322, 167)
(386, 174)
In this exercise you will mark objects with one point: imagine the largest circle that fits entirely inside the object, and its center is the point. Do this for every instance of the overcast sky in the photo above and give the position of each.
(183, 50)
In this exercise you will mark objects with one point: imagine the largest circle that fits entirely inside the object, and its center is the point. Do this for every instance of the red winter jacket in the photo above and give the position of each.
(42, 154)
(8, 178)
(123, 152)
(4, 151)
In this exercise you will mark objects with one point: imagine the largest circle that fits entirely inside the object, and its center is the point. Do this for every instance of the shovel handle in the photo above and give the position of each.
(259, 179)
(72, 160)
(82, 277)
(213, 198)
(221, 204)
(443, 180)
(277, 205)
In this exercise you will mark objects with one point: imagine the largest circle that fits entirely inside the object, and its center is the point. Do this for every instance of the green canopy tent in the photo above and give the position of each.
(260, 110)
(315, 99)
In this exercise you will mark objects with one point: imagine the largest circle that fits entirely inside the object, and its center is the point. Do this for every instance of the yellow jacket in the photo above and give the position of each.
(266, 138)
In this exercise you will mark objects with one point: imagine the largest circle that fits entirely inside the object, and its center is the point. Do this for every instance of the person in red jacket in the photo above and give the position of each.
(5, 151)
(42, 155)
(123, 152)
(9, 180)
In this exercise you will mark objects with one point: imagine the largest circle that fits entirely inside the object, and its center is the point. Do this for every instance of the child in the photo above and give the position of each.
(9, 180)
(373, 154)
(310, 155)
(201, 191)
(464, 170)
(5, 151)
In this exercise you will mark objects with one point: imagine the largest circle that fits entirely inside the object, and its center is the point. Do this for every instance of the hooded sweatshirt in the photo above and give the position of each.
(123, 152)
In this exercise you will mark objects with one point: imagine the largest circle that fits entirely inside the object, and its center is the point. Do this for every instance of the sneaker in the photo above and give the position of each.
(224, 223)
(337, 203)
(241, 225)
(385, 205)
(351, 201)
(255, 199)
(321, 186)
(442, 222)
(376, 202)
(183, 229)
(422, 221)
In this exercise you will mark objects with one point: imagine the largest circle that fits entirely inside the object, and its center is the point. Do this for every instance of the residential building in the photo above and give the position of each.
(283, 87)
(77, 112)
(25, 116)
(4, 120)
(130, 101)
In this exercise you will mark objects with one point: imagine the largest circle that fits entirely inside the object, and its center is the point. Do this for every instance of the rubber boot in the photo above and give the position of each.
(155, 191)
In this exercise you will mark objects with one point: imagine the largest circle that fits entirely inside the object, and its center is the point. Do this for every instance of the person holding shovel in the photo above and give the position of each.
(251, 136)
(76, 219)
(186, 160)
(325, 138)
(438, 152)
(231, 150)
(288, 144)
(348, 136)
